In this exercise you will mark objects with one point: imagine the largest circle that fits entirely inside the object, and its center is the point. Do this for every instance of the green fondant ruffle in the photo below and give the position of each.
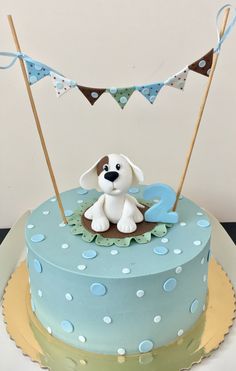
(159, 230)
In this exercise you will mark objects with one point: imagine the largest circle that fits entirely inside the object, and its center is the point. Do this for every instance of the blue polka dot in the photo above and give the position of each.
(145, 346)
(98, 289)
(38, 67)
(59, 85)
(68, 212)
(38, 266)
(134, 190)
(67, 326)
(33, 79)
(89, 254)
(170, 285)
(160, 250)
(38, 237)
(203, 223)
(194, 306)
(82, 191)
(113, 90)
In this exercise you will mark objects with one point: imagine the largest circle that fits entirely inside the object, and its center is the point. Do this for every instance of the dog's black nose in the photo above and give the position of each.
(111, 175)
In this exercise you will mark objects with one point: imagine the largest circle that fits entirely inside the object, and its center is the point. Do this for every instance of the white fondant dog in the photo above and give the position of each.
(114, 175)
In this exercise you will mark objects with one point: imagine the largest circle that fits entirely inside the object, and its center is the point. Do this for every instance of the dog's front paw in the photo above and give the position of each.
(100, 224)
(126, 225)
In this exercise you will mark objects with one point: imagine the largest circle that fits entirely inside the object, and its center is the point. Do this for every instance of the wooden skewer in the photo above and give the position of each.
(36, 118)
(200, 114)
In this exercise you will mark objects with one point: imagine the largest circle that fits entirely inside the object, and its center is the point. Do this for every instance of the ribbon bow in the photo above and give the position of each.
(222, 38)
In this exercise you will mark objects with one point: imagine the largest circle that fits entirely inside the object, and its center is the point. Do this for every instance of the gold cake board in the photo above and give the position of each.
(205, 337)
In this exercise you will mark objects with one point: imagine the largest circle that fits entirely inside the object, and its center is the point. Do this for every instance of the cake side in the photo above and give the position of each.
(122, 299)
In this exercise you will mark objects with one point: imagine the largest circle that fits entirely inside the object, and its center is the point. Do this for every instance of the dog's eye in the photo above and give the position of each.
(117, 166)
(105, 167)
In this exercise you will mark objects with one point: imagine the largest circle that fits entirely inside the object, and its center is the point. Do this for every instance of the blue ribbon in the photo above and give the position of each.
(15, 57)
(25, 58)
(222, 38)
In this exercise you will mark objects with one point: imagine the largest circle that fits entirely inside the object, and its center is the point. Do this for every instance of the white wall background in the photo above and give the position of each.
(117, 43)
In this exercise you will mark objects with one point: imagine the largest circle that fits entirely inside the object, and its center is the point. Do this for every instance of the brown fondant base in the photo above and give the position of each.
(113, 232)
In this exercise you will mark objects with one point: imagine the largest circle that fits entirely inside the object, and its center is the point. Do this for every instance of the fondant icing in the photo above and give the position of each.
(90, 303)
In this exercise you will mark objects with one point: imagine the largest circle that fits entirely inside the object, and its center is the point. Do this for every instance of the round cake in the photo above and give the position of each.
(112, 294)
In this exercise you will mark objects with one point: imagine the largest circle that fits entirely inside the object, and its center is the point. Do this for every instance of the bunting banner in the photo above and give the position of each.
(37, 71)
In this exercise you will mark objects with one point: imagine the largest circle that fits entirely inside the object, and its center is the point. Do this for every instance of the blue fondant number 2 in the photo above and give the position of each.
(160, 212)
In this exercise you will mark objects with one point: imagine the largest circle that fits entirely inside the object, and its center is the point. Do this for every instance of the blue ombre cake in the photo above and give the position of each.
(110, 296)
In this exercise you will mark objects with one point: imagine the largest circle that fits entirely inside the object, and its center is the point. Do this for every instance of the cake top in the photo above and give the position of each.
(53, 241)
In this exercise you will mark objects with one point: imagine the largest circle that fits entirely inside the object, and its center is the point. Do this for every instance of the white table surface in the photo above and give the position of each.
(12, 251)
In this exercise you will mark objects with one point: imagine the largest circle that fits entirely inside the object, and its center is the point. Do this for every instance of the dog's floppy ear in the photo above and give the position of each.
(137, 172)
(89, 179)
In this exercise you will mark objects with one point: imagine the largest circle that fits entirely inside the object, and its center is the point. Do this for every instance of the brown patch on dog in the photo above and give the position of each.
(102, 162)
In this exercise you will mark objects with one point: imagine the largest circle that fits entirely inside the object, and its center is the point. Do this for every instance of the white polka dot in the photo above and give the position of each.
(94, 94)
(82, 339)
(145, 91)
(53, 199)
(46, 212)
(199, 213)
(204, 308)
(123, 100)
(68, 296)
(202, 63)
(81, 267)
(114, 252)
(164, 240)
(107, 320)
(182, 224)
(157, 319)
(197, 243)
(126, 270)
(152, 98)
(140, 293)
(62, 224)
(203, 261)
(30, 226)
(204, 278)
(208, 71)
(113, 90)
(40, 293)
(121, 351)
(178, 270)
(49, 330)
(80, 201)
(156, 201)
(64, 246)
(180, 197)
(177, 251)
(180, 332)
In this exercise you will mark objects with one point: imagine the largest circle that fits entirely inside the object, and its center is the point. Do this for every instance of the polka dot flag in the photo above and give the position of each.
(92, 94)
(121, 95)
(150, 91)
(203, 65)
(36, 71)
(178, 80)
(61, 84)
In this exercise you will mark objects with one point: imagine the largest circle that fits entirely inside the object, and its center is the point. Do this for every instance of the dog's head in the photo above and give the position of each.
(113, 174)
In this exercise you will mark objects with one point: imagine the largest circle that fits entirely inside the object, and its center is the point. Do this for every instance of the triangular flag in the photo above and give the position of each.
(36, 72)
(150, 91)
(203, 65)
(92, 94)
(121, 95)
(178, 80)
(61, 84)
